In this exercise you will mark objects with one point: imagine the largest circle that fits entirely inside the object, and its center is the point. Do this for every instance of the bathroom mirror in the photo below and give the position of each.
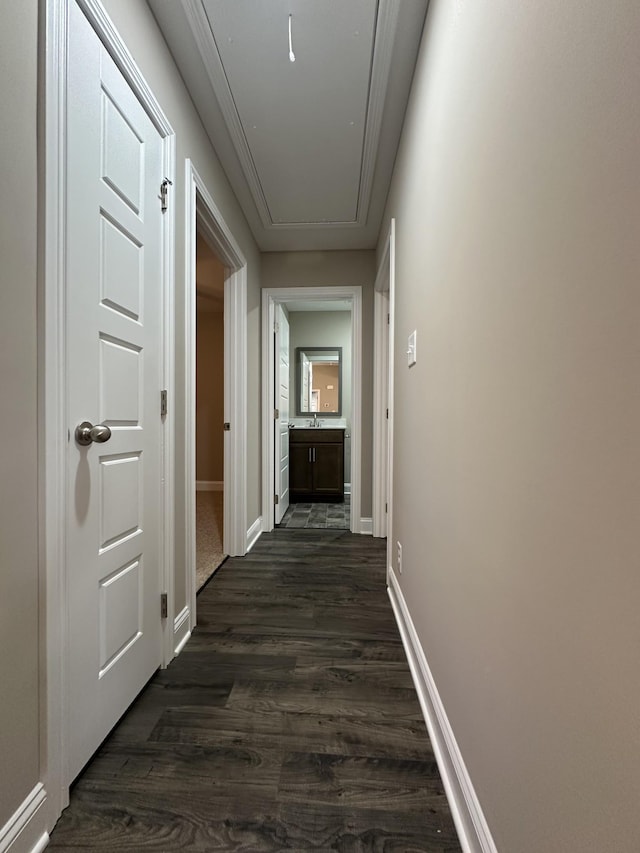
(319, 381)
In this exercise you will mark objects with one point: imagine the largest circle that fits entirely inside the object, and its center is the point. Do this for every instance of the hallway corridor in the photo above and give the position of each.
(289, 722)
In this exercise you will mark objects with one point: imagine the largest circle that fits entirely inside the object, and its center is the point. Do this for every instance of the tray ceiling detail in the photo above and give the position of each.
(309, 144)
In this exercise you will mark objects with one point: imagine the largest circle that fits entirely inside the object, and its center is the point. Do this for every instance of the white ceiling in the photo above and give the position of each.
(308, 146)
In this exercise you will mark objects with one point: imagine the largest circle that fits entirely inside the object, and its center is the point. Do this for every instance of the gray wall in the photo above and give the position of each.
(322, 329)
(338, 269)
(138, 28)
(517, 434)
(19, 638)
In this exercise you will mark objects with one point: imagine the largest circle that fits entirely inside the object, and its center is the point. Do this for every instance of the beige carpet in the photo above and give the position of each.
(209, 553)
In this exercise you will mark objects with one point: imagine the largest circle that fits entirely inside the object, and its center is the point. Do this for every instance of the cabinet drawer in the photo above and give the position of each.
(316, 436)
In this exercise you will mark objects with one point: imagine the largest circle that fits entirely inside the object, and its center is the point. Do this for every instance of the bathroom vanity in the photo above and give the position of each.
(316, 464)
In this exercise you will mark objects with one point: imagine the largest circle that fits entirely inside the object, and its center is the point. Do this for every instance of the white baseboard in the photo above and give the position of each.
(366, 526)
(254, 533)
(23, 832)
(40, 844)
(181, 629)
(209, 486)
(469, 819)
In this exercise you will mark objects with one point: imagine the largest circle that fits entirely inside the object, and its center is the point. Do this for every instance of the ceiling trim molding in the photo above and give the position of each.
(201, 29)
(386, 24)
(385, 32)
(325, 223)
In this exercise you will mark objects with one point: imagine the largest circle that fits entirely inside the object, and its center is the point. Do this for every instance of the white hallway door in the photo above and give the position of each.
(282, 405)
(114, 374)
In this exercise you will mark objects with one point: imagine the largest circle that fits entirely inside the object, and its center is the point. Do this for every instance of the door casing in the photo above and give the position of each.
(383, 359)
(52, 421)
(201, 210)
(283, 405)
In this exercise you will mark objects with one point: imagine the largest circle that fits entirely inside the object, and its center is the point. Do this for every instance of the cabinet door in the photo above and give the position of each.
(328, 469)
(300, 469)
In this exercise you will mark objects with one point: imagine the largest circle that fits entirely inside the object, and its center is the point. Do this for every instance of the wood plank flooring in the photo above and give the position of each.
(289, 721)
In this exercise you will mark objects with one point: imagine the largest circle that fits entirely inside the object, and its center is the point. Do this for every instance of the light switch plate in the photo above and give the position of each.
(411, 348)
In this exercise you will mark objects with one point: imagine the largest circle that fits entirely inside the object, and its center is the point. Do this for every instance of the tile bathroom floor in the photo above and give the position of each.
(318, 515)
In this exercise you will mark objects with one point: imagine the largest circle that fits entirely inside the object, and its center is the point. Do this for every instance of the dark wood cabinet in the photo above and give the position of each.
(316, 464)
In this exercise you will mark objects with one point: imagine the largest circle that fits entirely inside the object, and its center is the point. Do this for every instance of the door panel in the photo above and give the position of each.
(328, 469)
(282, 457)
(301, 469)
(114, 299)
(119, 503)
(120, 612)
(120, 381)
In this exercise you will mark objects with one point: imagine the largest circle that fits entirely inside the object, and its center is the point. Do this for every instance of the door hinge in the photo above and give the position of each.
(387, 414)
(276, 327)
(163, 403)
(164, 606)
(386, 507)
(164, 190)
(276, 499)
(227, 426)
(276, 414)
(388, 319)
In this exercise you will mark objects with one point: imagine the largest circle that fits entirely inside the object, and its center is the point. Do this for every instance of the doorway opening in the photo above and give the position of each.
(210, 275)
(208, 236)
(311, 451)
(318, 370)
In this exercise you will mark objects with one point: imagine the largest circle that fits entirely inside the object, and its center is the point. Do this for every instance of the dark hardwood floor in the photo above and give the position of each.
(289, 721)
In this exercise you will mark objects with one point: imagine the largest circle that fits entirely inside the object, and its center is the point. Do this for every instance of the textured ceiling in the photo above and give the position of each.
(309, 145)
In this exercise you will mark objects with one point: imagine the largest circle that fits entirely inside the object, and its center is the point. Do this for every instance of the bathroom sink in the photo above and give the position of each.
(328, 425)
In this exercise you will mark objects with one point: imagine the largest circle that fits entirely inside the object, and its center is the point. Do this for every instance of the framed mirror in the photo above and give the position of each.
(319, 381)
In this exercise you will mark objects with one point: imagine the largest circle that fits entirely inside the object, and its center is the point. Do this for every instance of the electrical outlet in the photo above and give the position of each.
(399, 558)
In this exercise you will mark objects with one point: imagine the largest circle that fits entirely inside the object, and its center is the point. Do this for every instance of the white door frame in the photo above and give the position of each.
(282, 320)
(202, 213)
(52, 391)
(270, 297)
(383, 344)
